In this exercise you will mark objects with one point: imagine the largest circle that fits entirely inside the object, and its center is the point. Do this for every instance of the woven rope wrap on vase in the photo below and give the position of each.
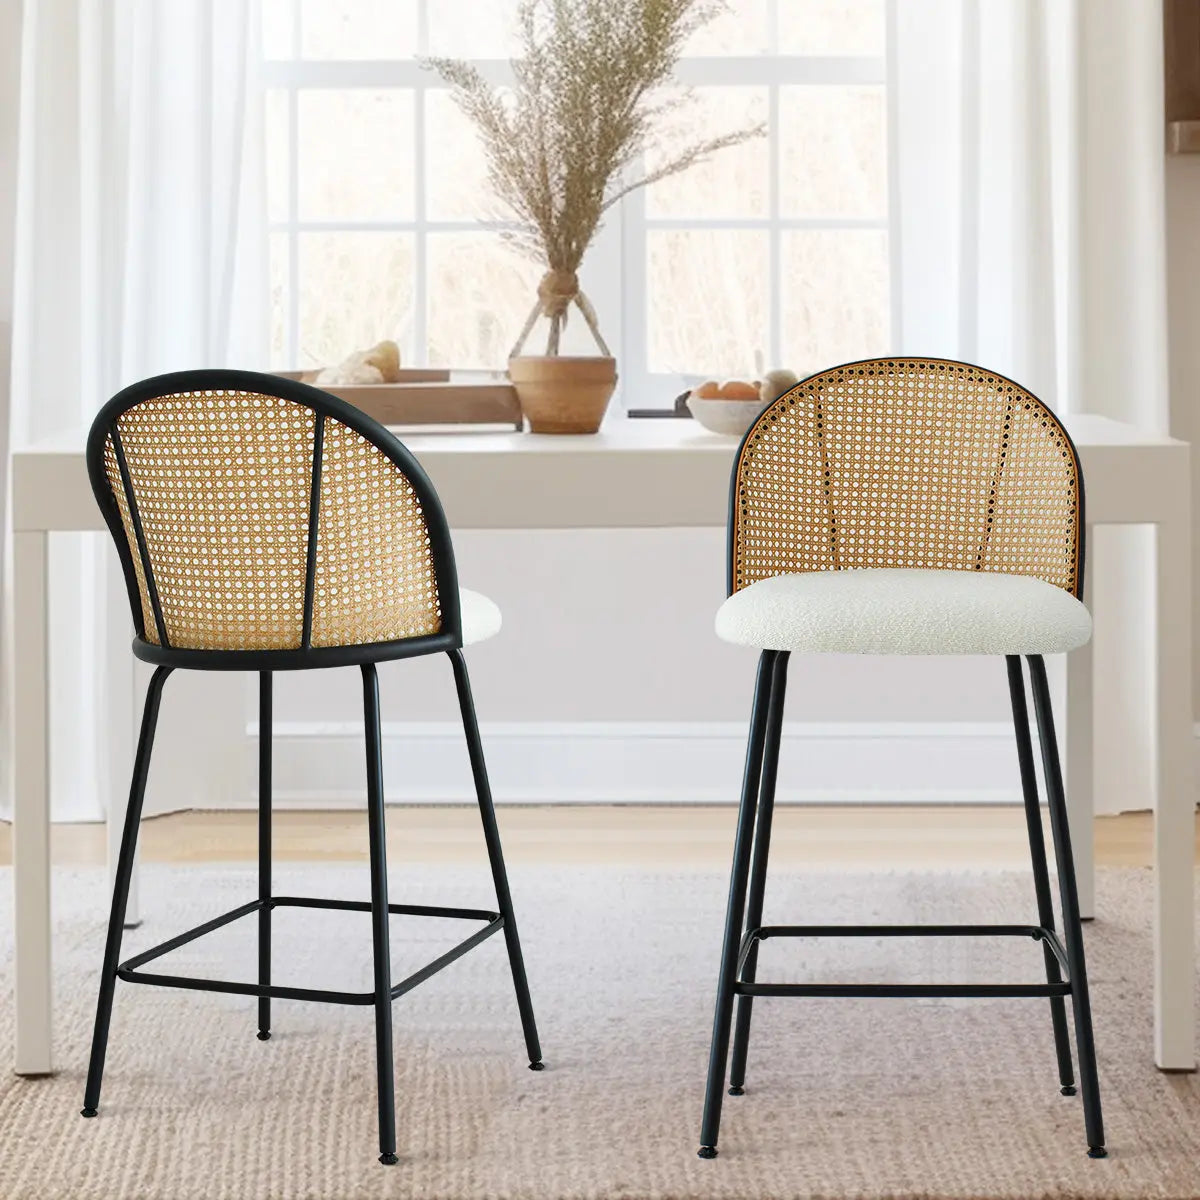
(907, 463)
(222, 483)
(556, 291)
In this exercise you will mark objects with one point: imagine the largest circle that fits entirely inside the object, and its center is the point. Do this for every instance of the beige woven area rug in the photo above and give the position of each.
(873, 1098)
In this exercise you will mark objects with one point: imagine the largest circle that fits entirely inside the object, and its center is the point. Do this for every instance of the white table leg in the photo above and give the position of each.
(31, 805)
(1174, 802)
(1080, 764)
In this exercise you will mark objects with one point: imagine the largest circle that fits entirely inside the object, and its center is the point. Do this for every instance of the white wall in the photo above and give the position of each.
(617, 626)
(10, 43)
(607, 683)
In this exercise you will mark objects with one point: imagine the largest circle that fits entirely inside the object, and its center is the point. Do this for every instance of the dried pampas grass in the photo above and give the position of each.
(567, 142)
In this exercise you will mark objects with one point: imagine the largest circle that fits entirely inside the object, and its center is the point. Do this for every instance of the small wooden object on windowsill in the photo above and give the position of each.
(1181, 61)
(427, 397)
(1183, 137)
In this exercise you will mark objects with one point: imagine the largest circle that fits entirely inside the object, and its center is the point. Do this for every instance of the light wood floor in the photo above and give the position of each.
(675, 837)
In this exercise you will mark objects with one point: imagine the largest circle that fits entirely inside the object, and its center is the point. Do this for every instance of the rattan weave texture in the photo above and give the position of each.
(375, 577)
(907, 463)
(222, 484)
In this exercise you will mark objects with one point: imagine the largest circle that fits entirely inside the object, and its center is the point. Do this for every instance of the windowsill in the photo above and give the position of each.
(1183, 137)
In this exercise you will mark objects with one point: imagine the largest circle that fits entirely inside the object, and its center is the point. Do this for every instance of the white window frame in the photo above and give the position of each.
(620, 294)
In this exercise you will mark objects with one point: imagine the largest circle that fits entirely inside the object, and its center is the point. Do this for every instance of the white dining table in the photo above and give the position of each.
(659, 474)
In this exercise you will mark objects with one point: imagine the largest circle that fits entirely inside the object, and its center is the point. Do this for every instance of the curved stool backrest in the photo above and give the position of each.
(253, 514)
(905, 462)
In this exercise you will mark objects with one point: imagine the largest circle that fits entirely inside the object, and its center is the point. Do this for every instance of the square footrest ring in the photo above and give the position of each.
(754, 937)
(128, 970)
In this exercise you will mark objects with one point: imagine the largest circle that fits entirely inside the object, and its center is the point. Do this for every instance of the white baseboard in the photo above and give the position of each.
(321, 764)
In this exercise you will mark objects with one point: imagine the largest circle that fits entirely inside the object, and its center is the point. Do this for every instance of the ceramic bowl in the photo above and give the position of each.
(729, 417)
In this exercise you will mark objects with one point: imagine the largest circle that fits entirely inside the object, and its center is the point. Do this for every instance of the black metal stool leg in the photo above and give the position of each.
(1041, 873)
(116, 917)
(264, 851)
(379, 920)
(491, 834)
(1072, 927)
(758, 868)
(710, 1124)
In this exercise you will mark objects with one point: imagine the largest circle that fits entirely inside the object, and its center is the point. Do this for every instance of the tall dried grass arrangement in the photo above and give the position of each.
(566, 143)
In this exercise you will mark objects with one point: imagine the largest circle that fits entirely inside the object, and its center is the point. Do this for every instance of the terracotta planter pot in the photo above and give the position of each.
(563, 394)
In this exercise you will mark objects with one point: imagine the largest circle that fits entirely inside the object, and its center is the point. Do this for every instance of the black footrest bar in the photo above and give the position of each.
(237, 988)
(480, 935)
(766, 931)
(941, 990)
(403, 910)
(189, 935)
(743, 987)
(128, 970)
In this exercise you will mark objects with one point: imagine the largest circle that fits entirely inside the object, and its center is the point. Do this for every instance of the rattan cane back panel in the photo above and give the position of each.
(221, 481)
(222, 486)
(375, 578)
(113, 473)
(907, 463)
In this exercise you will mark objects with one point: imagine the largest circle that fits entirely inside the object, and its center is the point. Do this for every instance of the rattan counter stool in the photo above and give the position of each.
(904, 506)
(263, 525)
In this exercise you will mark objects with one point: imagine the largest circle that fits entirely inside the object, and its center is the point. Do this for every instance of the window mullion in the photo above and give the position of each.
(292, 323)
(420, 322)
(293, 216)
(420, 176)
(422, 27)
(634, 288)
(764, 223)
(774, 236)
(895, 255)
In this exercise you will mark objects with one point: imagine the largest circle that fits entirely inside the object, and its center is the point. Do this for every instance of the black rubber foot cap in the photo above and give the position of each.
(707, 1152)
(537, 1066)
(388, 1160)
(1069, 1090)
(1097, 1152)
(737, 1091)
(87, 1112)
(263, 1035)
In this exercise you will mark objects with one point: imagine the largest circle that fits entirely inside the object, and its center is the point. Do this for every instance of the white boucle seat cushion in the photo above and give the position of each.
(480, 617)
(882, 610)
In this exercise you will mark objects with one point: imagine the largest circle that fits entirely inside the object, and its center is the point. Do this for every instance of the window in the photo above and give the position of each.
(776, 252)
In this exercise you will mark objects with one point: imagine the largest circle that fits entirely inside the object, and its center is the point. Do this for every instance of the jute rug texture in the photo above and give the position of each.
(845, 1098)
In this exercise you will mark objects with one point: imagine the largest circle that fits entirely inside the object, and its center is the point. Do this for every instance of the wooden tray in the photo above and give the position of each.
(427, 397)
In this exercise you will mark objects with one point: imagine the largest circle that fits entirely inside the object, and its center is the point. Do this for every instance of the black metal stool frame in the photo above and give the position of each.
(265, 662)
(1066, 974)
(1066, 971)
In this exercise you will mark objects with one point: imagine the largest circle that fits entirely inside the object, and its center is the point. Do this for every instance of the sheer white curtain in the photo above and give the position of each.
(140, 248)
(140, 210)
(1029, 170)
(10, 43)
